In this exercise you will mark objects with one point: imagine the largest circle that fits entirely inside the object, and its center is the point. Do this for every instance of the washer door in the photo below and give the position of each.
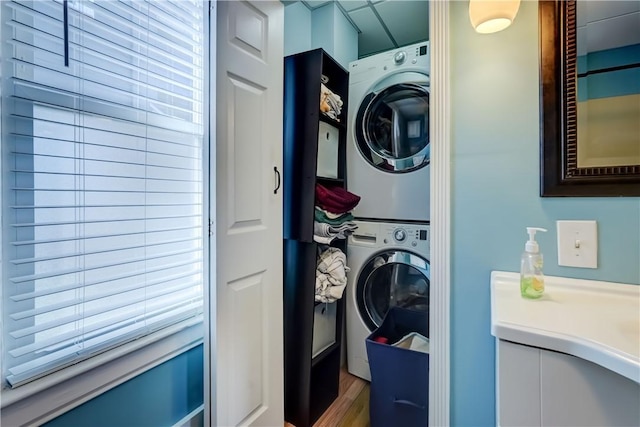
(392, 127)
(392, 278)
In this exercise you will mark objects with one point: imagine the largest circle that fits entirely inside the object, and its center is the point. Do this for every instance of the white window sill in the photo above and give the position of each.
(46, 398)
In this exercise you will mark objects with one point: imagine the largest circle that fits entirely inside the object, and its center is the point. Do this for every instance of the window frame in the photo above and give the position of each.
(52, 395)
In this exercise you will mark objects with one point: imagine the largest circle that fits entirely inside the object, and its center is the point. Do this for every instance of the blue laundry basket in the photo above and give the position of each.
(399, 376)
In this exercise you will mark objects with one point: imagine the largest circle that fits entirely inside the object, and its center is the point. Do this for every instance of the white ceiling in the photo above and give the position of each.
(383, 24)
(388, 24)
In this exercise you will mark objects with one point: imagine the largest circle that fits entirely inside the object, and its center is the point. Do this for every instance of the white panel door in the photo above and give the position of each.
(248, 352)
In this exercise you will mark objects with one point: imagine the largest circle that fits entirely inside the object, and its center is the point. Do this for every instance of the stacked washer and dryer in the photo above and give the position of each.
(388, 154)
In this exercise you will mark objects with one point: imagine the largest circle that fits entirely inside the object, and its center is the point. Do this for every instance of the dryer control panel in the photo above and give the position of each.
(410, 56)
(371, 68)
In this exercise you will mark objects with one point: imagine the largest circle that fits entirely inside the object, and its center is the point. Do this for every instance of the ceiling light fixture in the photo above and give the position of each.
(491, 16)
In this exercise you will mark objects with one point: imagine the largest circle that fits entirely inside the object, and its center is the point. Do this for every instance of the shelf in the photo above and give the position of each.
(311, 383)
(319, 358)
(337, 181)
(317, 303)
(332, 122)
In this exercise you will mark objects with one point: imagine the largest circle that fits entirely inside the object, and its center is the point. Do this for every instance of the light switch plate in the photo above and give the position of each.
(577, 243)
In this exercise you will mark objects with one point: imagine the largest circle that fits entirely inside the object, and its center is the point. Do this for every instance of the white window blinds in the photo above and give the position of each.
(102, 176)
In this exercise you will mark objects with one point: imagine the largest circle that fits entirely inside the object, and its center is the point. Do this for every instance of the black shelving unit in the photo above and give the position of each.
(311, 383)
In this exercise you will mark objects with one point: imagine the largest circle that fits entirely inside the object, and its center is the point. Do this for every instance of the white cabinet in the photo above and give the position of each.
(571, 358)
(517, 384)
(537, 387)
(328, 142)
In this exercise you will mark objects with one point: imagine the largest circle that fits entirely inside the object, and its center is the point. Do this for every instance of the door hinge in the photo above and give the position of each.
(210, 228)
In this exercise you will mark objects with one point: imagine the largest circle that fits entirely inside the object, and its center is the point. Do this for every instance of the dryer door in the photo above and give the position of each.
(392, 278)
(392, 127)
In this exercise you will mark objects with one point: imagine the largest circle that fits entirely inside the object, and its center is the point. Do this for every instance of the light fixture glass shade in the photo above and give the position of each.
(491, 16)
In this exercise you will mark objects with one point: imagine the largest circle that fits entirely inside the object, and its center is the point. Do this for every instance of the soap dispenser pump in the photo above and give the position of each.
(531, 276)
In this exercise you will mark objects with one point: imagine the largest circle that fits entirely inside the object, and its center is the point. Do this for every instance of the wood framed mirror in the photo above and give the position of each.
(590, 145)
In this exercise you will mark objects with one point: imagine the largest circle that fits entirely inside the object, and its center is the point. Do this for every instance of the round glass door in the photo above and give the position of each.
(392, 278)
(392, 128)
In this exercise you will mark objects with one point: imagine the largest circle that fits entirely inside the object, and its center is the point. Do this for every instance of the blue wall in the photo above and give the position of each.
(297, 28)
(331, 31)
(345, 39)
(161, 396)
(324, 27)
(495, 187)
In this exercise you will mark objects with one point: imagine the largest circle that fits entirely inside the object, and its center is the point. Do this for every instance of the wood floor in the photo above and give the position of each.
(351, 408)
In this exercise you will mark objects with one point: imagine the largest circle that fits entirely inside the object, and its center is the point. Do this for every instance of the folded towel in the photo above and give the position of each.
(321, 216)
(327, 230)
(335, 199)
(331, 215)
(326, 233)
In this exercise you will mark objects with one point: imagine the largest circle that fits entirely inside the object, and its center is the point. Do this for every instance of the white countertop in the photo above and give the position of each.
(594, 320)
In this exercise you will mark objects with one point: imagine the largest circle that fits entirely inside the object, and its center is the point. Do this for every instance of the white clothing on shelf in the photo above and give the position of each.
(331, 275)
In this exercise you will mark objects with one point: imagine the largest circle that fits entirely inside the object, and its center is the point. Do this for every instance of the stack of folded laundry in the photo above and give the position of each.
(331, 275)
(333, 219)
(330, 103)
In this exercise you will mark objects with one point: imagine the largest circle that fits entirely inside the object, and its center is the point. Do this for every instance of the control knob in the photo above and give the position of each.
(399, 235)
(399, 57)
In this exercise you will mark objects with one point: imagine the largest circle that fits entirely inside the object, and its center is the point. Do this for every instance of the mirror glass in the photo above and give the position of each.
(608, 76)
(590, 97)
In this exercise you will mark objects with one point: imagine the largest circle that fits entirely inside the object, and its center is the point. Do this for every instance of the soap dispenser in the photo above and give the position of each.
(531, 277)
